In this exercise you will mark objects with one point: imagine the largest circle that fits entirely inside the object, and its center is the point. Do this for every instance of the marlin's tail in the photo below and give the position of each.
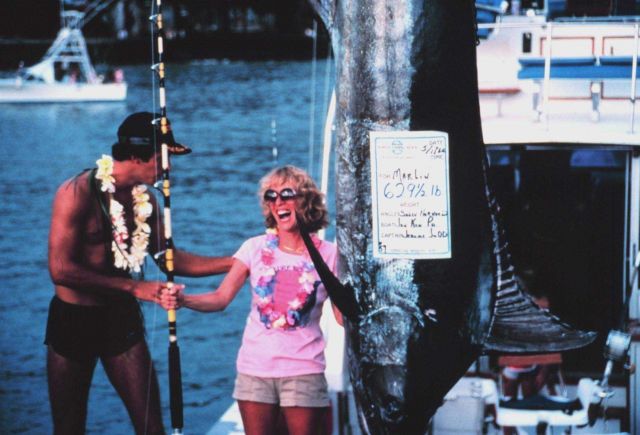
(518, 324)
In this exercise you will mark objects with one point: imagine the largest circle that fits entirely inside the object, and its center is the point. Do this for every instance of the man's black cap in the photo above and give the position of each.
(143, 129)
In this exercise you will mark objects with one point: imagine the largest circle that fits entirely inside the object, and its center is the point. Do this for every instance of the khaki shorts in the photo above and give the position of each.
(308, 391)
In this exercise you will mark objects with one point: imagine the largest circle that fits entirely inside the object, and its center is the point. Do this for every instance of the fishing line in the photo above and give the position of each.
(271, 77)
(312, 103)
(154, 315)
(326, 107)
(327, 77)
(274, 141)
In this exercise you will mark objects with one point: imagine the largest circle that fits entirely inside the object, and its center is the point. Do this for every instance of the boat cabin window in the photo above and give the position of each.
(564, 213)
(68, 72)
(531, 4)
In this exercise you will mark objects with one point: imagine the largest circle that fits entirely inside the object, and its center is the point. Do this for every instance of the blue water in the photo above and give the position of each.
(224, 111)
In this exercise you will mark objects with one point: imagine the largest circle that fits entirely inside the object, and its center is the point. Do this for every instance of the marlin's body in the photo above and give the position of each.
(415, 326)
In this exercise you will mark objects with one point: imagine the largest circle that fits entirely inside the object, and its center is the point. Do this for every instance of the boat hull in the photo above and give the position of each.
(12, 91)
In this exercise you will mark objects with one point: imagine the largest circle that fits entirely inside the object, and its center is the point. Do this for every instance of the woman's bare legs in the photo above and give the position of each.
(258, 418)
(305, 421)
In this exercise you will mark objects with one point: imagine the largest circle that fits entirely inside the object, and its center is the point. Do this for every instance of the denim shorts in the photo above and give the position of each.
(309, 391)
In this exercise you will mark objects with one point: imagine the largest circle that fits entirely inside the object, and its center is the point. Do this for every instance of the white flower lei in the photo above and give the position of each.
(126, 258)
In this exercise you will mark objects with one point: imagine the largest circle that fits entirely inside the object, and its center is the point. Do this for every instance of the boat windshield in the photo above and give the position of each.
(553, 9)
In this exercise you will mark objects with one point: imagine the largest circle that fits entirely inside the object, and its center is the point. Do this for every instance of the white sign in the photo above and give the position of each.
(410, 194)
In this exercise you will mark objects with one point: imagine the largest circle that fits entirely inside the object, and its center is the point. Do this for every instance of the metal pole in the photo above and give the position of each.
(634, 64)
(326, 149)
(547, 76)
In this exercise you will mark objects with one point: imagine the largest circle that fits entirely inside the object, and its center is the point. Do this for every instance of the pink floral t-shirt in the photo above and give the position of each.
(283, 336)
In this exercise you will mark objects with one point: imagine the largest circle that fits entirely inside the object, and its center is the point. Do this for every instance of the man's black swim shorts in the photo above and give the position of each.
(81, 332)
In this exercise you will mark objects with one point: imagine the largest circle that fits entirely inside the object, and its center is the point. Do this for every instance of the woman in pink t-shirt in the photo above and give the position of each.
(281, 360)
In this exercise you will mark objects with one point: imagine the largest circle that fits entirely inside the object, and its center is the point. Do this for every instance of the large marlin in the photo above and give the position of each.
(415, 326)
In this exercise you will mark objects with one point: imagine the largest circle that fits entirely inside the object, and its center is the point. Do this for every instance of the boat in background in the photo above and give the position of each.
(65, 73)
(588, 58)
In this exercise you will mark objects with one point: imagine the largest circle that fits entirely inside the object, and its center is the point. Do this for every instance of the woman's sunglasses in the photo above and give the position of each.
(285, 194)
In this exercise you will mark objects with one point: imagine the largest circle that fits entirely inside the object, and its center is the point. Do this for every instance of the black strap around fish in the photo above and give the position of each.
(341, 295)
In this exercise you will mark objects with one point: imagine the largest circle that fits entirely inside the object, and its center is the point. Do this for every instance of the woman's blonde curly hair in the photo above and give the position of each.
(310, 201)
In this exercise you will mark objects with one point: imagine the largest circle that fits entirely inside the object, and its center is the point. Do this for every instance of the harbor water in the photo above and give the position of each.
(233, 115)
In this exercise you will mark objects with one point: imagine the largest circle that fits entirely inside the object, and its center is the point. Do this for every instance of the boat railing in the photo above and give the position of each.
(609, 53)
(590, 20)
(535, 23)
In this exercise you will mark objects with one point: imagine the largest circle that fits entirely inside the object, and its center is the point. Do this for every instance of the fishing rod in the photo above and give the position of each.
(175, 373)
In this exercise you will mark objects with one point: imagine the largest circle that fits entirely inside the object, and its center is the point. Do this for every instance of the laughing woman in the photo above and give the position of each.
(281, 360)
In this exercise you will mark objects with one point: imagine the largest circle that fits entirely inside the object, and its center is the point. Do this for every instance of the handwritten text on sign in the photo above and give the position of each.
(410, 194)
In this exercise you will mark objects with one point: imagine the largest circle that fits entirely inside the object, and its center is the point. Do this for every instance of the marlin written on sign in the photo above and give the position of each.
(410, 194)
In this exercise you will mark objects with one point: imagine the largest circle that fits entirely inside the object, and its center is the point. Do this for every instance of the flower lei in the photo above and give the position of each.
(126, 258)
(265, 288)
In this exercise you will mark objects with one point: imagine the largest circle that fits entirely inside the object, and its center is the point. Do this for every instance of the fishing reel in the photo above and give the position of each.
(160, 258)
(617, 346)
(616, 350)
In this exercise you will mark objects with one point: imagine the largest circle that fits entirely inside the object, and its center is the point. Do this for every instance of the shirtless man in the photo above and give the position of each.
(95, 312)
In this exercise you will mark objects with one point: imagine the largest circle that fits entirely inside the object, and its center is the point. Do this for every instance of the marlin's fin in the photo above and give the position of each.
(341, 295)
(325, 9)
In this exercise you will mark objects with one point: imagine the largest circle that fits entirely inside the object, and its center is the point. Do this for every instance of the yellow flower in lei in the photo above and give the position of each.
(105, 169)
(125, 257)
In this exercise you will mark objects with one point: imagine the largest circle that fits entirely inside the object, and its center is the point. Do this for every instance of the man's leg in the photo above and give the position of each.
(69, 383)
(134, 378)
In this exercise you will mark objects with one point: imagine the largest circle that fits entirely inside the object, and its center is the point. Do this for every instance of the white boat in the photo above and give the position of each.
(65, 73)
(558, 99)
(564, 88)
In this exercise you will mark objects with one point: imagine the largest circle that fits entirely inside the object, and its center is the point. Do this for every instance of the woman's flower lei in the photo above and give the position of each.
(265, 288)
(126, 258)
